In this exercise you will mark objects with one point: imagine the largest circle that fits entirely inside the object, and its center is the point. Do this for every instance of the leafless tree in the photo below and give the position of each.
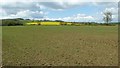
(107, 17)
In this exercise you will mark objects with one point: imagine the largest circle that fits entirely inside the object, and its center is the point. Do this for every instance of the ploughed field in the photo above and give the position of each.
(0, 46)
(60, 45)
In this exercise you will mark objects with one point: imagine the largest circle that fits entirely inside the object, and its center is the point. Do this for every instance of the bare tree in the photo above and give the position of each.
(107, 17)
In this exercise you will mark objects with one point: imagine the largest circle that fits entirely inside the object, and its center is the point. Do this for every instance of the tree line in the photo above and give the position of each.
(21, 22)
(12, 22)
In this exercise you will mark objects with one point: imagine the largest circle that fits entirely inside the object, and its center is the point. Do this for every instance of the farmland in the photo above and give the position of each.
(60, 45)
(0, 45)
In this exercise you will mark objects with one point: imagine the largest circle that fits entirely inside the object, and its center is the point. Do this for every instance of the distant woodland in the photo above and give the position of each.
(22, 22)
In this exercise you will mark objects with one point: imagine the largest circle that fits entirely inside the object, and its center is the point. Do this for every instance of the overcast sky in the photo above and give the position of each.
(74, 10)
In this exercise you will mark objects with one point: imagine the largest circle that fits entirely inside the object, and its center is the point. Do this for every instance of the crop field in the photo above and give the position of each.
(0, 45)
(60, 45)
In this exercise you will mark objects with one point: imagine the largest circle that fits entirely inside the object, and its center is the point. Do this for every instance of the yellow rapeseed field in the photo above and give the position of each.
(69, 23)
(32, 23)
(50, 23)
(43, 23)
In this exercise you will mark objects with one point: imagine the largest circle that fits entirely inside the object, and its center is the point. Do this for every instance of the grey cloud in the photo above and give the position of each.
(13, 8)
(106, 4)
(60, 5)
(52, 5)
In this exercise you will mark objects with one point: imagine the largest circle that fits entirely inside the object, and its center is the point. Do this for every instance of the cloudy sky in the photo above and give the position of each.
(69, 10)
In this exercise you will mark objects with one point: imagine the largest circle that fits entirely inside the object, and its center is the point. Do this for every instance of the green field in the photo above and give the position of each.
(60, 45)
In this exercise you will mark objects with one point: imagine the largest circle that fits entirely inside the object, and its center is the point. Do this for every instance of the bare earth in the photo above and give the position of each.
(60, 46)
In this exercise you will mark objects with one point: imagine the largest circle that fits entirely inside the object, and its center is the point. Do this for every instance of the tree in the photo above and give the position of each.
(11, 22)
(59, 21)
(107, 17)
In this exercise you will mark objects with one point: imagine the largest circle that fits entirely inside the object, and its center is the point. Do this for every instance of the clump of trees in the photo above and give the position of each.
(12, 22)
